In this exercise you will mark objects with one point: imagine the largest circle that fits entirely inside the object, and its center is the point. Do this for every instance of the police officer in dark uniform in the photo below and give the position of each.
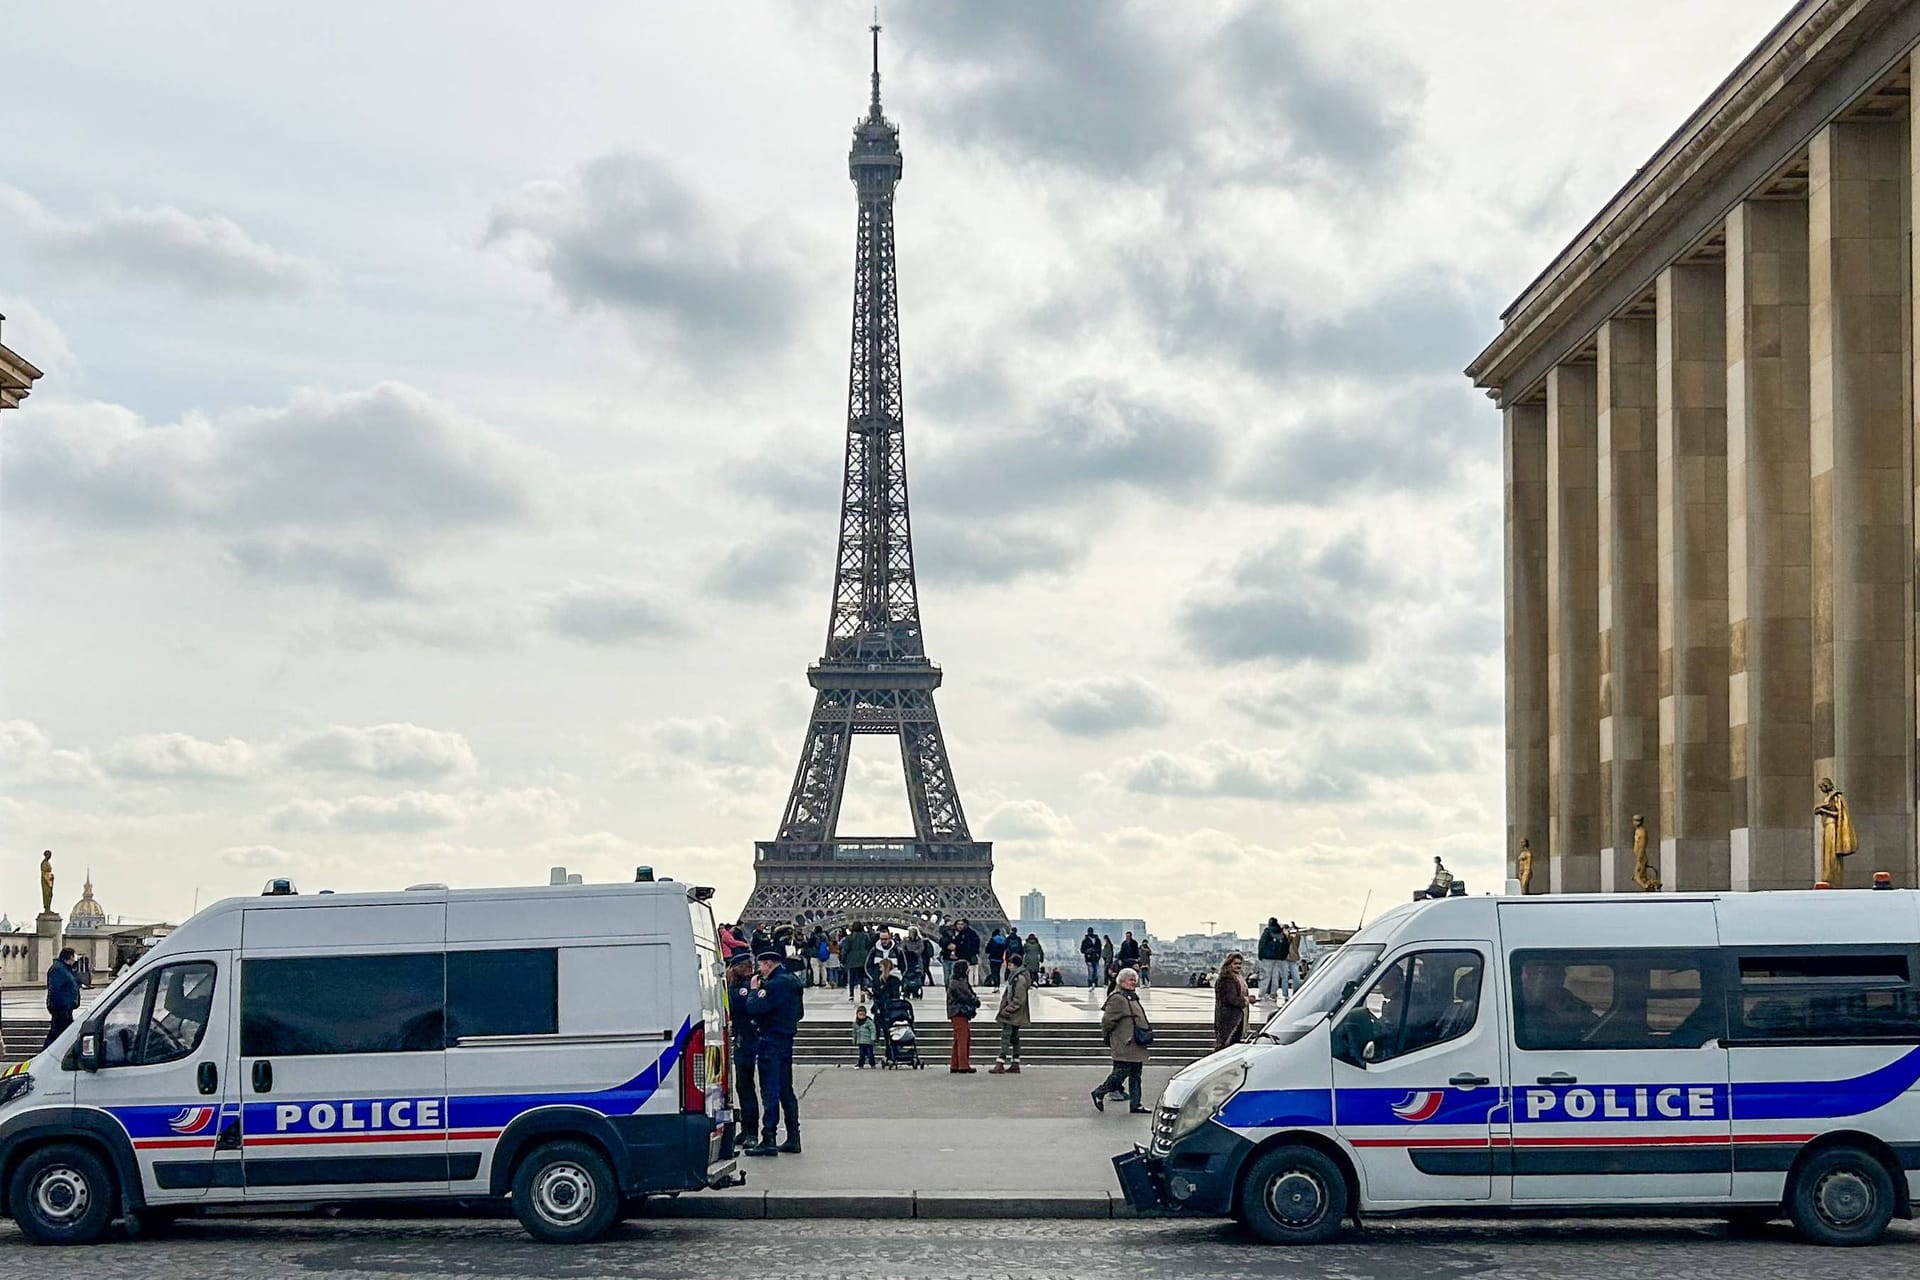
(746, 1042)
(774, 1004)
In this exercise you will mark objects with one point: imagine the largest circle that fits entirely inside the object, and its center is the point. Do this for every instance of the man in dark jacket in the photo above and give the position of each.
(746, 1042)
(853, 954)
(1273, 955)
(774, 1002)
(63, 993)
(1090, 952)
(996, 957)
(966, 946)
(943, 949)
(1129, 953)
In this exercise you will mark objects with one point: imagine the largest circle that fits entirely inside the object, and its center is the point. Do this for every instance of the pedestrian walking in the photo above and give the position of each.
(962, 1005)
(1014, 1014)
(1033, 956)
(943, 948)
(1107, 966)
(1272, 953)
(1146, 962)
(817, 956)
(836, 970)
(1230, 1000)
(854, 952)
(865, 1035)
(1090, 952)
(1290, 967)
(746, 1043)
(63, 992)
(966, 945)
(996, 956)
(775, 1003)
(1128, 1033)
(1128, 954)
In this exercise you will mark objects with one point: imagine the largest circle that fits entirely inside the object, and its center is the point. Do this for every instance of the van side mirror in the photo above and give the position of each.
(87, 1051)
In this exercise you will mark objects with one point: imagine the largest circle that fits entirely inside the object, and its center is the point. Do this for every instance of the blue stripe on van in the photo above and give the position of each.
(1826, 1099)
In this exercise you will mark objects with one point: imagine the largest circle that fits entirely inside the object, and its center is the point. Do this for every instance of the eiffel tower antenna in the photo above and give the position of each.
(874, 676)
(873, 108)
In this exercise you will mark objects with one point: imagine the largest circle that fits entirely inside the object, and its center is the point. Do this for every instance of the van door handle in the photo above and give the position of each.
(1558, 1077)
(1467, 1080)
(209, 1077)
(263, 1077)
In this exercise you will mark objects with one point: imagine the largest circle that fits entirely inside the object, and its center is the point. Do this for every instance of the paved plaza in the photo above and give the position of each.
(232, 1249)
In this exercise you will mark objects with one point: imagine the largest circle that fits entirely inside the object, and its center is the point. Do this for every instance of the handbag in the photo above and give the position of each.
(1142, 1036)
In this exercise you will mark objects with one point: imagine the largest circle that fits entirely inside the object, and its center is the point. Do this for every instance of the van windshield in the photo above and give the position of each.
(1322, 991)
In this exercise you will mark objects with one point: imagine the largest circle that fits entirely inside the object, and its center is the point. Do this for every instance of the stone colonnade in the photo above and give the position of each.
(1710, 551)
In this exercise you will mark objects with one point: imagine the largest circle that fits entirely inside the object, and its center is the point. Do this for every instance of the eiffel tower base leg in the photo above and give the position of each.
(887, 883)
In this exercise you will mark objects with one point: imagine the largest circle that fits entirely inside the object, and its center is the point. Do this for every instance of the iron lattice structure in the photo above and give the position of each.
(875, 677)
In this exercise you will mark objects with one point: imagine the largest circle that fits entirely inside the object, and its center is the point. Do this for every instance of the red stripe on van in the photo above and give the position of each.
(310, 1139)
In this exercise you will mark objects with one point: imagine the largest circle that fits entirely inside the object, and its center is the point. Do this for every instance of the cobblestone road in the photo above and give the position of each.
(488, 1249)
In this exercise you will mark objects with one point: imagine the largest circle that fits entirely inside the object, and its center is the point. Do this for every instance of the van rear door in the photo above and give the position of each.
(1617, 1058)
(343, 1051)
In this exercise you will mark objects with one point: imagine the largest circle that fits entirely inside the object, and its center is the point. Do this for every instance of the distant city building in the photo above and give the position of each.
(1060, 939)
(86, 913)
(1033, 905)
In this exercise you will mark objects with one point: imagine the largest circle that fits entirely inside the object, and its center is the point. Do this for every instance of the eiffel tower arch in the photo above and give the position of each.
(874, 676)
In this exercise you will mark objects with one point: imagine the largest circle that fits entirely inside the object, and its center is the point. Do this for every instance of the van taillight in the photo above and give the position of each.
(693, 1071)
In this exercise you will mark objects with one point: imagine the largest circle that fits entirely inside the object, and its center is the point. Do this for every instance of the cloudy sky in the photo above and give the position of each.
(435, 472)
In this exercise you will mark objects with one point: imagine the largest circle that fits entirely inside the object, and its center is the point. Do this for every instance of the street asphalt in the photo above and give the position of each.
(231, 1249)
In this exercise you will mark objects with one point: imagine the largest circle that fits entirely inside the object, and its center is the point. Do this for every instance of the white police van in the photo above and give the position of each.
(1747, 1055)
(565, 1045)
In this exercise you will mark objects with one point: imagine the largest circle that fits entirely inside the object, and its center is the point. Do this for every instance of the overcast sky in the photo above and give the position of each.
(435, 473)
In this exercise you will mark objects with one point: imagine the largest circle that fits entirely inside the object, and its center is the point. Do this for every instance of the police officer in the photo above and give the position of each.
(774, 1005)
(746, 1041)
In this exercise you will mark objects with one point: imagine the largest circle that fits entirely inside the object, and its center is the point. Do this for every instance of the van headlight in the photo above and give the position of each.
(15, 1087)
(1207, 1098)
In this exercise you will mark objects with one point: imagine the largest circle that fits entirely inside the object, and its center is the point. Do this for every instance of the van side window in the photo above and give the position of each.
(161, 1018)
(1826, 996)
(314, 1005)
(1616, 999)
(503, 993)
(1420, 1000)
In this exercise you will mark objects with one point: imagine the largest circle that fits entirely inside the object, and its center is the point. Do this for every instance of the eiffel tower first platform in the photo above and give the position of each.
(875, 676)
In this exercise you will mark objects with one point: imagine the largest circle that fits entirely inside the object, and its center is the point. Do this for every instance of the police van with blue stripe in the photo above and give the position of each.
(1749, 1055)
(564, 1046)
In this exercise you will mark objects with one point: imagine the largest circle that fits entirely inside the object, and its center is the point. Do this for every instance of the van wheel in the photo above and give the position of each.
(62, 1194)
(1842, 1196)
(1294, 1195)
(563, 1193)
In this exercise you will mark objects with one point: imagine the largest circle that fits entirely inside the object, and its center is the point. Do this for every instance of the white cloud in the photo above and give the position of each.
(406, 752)
(162, 756)
(28, 756)
(205, 256)
(412, 812)
(611, 614)
(1100, 706)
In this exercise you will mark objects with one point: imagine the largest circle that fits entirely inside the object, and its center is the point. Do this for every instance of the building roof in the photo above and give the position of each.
(1815, 64)
(16, 377)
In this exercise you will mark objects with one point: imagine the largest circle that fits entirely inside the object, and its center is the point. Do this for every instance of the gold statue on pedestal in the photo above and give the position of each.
(1837, 837)
(1525, 866)
(1643, 873)
(46, 883)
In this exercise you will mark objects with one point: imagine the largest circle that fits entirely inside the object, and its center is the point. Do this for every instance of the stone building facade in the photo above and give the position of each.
(1710, 544)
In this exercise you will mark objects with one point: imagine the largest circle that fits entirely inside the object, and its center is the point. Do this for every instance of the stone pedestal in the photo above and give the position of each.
(43, 946)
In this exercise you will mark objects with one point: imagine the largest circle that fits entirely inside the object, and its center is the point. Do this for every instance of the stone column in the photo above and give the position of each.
(1573, 630)
(1526, 585)
(1769, 579)
(1691, 319)
(1862, 489)
(1629, 620)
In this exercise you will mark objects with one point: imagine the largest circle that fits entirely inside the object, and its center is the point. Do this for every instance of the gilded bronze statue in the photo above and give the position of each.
(1525, 866)
(1837, 838)
(46, 882)
(1644, 874)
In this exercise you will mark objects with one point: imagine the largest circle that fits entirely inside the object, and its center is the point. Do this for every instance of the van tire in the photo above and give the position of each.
(62, 1194)
(564, 1193)
(1294, 1195)
(1842, 1196)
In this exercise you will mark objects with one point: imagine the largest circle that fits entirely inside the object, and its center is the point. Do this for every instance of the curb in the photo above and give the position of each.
(888, 1205)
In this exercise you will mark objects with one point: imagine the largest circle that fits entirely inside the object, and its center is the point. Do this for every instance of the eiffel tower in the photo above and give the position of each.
(875, 676)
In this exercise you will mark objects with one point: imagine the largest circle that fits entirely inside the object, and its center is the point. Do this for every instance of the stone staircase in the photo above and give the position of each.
(20, 1039)
(1042, 1044)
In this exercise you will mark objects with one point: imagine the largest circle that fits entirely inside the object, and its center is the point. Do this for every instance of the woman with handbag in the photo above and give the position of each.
(1124, 1026)
(1230, 1001)
(962, 1005)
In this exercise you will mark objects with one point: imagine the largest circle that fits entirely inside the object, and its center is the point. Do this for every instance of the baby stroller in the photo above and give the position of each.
(915, 981)
(896, 1029)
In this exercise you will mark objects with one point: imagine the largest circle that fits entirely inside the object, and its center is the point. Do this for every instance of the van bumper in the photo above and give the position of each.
(1197, 1175)
(673, 1153)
